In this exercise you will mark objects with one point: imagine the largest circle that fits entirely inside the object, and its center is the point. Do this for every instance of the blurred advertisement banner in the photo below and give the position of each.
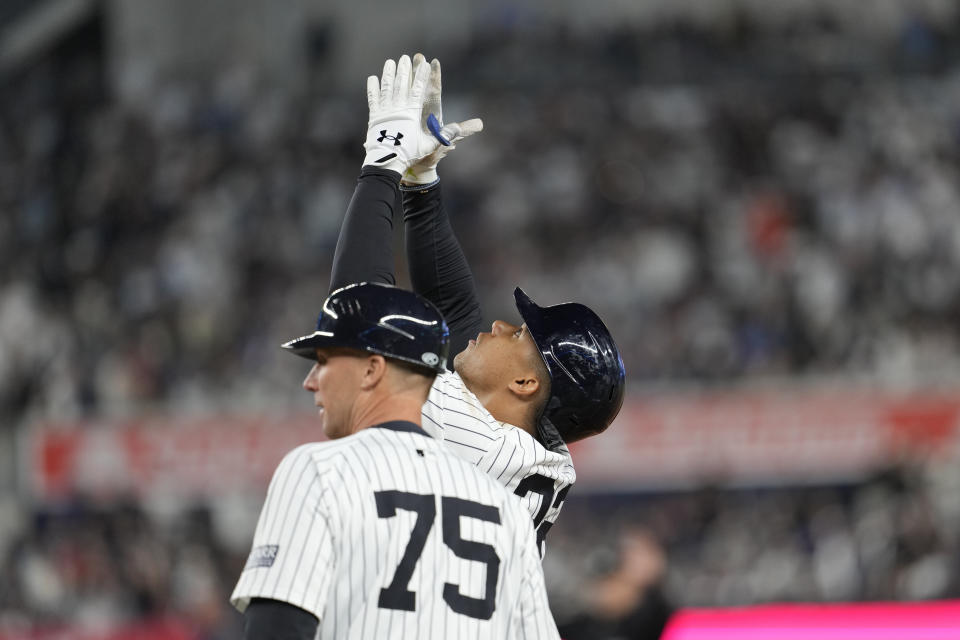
(667, 441)
(766, 437)
(192, 457)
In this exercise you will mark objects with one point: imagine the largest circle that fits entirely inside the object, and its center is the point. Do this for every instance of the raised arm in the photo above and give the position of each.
(438, 267)
(365, 247)
(394, 141)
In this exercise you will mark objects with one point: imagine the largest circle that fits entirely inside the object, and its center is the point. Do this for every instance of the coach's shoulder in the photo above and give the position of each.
(301, 458)
(303, 451)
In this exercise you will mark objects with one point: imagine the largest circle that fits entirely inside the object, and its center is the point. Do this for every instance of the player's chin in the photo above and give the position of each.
(330, 430)
(459, 359)
(325, 424)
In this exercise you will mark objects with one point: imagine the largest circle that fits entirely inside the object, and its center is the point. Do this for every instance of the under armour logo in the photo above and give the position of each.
(384, 136)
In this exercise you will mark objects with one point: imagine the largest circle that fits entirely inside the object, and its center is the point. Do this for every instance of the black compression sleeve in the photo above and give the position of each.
(266, 619)
(365, 247)
(438, 267)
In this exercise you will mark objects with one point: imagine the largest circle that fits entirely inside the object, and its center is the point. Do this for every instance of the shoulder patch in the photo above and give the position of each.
(262, 556)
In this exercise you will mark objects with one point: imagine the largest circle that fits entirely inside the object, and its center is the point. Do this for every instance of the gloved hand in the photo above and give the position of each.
(394, 138)
(424, 170)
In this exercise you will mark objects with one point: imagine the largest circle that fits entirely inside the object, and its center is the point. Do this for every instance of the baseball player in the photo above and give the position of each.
(382, 532)
(518, 393)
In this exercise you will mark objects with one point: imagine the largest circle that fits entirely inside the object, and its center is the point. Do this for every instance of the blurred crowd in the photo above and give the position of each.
(617, 565)
(89, 569)
(890, 538)
(737, 205)
(732, 211)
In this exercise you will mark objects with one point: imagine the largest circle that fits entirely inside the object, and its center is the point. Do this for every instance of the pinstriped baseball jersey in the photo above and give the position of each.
(514, 458)
(387, 534)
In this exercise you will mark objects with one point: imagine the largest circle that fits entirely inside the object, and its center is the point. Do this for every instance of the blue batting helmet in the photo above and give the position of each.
(379, 318)
(586, 371)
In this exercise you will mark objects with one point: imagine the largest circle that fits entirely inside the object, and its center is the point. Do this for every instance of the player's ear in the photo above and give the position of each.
(374, 369)
(524, 387)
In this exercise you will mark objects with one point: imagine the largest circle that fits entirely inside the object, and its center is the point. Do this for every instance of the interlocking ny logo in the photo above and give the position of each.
(384, 136)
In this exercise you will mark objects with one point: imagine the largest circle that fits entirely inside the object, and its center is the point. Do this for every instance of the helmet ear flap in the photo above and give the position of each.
(587, 377)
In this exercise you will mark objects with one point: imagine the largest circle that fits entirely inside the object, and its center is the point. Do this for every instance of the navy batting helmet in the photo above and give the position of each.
(586, 371)
(383, 319)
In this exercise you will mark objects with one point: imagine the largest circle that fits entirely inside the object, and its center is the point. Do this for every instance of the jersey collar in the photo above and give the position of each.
(401, 425)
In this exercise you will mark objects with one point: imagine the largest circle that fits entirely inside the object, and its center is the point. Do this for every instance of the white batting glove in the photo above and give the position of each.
(394, 139)
(424, 170)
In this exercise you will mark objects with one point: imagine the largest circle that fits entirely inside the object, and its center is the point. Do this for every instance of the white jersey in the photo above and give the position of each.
(540, 476)
(387, 534)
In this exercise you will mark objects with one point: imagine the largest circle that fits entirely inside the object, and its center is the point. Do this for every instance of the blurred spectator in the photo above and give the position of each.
(883, 539)
(623, 598)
